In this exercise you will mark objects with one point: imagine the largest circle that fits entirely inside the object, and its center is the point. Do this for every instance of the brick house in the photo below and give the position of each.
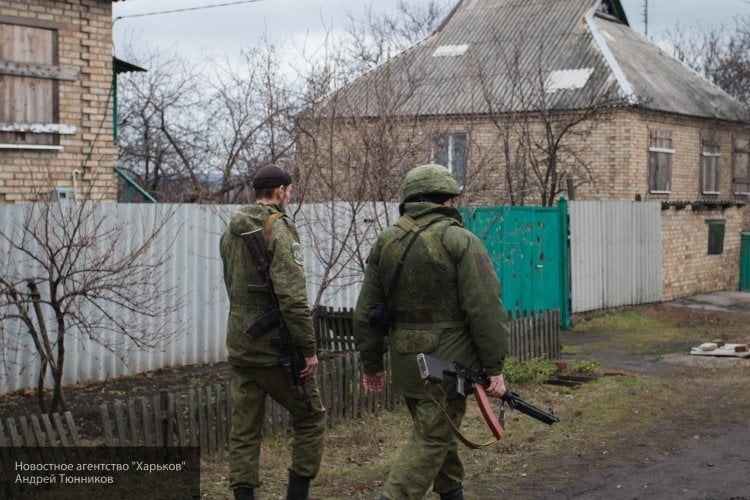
(526, 100)
(56, 76)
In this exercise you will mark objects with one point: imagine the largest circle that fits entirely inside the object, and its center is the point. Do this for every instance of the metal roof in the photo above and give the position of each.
(662, 83)
(499, 55)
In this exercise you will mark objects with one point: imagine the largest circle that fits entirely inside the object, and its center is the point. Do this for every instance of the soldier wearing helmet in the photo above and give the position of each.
(446, 302)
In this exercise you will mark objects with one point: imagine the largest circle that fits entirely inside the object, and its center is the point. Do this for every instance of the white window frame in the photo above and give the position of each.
(449, 139)
(712, 159)
(668, 151)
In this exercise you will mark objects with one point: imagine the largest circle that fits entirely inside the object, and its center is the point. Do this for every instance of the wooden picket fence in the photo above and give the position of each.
(334, 329)
(532, 334)
(36, 439)
(40, 432)
(202, 417)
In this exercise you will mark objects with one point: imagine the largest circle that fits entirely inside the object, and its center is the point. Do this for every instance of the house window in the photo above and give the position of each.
(660, 155)
(710, 166)
(715, 236)
(450, 151)
(29, 84)
(741, 169)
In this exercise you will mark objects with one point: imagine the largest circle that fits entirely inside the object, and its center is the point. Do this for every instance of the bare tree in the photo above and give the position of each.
(253, 108)
(720, 53)
(354, 147)
(187, 136)
(74, 272)
(372, 40)
(543, 139)
(163, 131)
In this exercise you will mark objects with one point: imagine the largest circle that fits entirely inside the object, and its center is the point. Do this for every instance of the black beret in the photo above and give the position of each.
(271, 176)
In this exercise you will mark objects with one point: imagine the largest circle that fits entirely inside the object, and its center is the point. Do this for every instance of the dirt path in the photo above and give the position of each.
(700, 451)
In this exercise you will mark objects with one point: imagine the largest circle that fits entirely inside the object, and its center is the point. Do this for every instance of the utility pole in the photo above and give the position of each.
(645, 18)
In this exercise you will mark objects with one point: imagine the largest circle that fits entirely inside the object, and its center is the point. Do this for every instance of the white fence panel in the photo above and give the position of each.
(615, 253)
(615, 261)
(192, 250)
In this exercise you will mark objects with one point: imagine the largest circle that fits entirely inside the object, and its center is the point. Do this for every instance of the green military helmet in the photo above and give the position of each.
(429, 179)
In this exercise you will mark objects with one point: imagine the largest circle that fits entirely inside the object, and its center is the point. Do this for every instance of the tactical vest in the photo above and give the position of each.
(416, 305)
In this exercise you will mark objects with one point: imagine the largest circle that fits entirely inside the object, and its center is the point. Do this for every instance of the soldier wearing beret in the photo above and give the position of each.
(255, 366)
(446, 303)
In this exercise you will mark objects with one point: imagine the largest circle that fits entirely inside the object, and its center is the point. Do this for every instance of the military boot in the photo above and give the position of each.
(454, 494)
(243, 493)
(298, 487)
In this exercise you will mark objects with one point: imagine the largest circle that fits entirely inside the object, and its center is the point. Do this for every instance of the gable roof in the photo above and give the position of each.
(498, 55)
(661, 82)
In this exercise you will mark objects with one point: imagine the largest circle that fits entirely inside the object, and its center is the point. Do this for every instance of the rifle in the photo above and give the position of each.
(467, 381)
(289, 355)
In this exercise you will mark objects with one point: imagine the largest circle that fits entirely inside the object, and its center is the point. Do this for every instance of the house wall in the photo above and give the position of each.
(688, 269)
(629, 133)
(616, 154)
(84, 45)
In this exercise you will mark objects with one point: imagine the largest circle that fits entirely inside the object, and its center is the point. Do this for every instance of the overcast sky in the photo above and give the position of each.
(225, 30)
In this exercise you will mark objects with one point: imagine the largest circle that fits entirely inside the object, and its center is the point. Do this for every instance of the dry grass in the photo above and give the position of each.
(596, 418)
(358, 454)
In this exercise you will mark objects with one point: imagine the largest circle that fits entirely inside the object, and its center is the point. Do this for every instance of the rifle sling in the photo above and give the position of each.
(269, 224)
(271, 317)
(466, 441)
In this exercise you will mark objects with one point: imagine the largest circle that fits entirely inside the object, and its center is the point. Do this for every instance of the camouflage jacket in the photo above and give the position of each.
(447, 301)
(288, 277)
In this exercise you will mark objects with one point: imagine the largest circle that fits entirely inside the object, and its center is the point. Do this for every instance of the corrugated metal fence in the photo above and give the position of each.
(615, 261)
(615, 254)
(194, 266)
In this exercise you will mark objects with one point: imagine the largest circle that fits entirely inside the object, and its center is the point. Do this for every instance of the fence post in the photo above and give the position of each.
(164, 416)
(564, 264)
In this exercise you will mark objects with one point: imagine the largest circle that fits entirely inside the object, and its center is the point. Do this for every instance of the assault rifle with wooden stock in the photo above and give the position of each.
(290, 356)
(467, 381)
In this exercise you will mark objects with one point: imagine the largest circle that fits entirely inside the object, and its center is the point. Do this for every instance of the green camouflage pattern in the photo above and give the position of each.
(430, 456)
(256, 371)
(430, 179)
(288, 276)
(248, 390)
(447, 302)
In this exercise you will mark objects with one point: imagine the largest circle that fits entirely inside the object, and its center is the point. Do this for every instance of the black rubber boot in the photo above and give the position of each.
(298, 487)
(454, 494)
(243, 493)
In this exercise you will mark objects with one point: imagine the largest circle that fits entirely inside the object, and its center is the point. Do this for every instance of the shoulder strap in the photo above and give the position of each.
(267, 230)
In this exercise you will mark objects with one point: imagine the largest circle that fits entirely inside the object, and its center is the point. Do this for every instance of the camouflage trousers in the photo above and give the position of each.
(430, 457)
(248, 389)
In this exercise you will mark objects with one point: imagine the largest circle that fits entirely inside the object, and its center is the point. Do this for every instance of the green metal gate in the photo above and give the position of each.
(529, 249)
(745, 263)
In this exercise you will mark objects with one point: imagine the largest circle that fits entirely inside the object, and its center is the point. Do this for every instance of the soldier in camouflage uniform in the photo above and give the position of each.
(255, 367)
(447, 304)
